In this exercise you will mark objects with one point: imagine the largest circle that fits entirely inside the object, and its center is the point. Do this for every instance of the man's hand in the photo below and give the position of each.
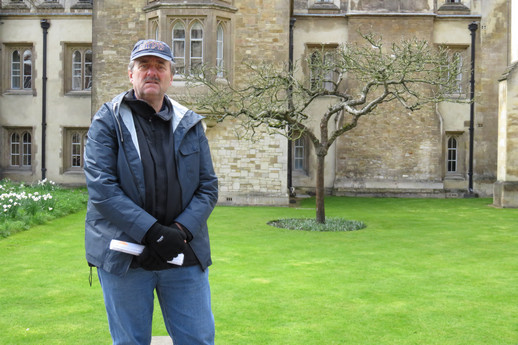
(151, 261)
(166, 241)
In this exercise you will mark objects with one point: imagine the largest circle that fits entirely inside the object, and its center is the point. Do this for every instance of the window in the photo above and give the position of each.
(54, 4)
(75, 141)
(458, 73)
(20, 148)
(196, 46)
(179, 47)
(81, 70)
(203, 38)
(452, 160)
(458, 60)
(155, 31)
(20, 68)
(455, 156)
(82, 4)
(300, 154)
(321, 69)
(187, 45)
(78, 69)
(220, 54)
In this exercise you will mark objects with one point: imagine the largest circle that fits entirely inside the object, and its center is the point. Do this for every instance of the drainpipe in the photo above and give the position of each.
(291, 190)
(470, 194)
(45, 25)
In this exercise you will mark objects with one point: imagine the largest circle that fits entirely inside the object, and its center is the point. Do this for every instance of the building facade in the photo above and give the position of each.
(45, 99)
(506, 187)
(423, 153)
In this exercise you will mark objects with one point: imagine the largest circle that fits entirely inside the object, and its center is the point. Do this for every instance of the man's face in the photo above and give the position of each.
(151, 77)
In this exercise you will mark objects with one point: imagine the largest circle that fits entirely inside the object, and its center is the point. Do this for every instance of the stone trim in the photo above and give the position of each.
(508, 71)
(453, 8)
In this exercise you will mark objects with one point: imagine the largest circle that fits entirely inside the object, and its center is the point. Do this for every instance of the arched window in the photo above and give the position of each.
(196, 58)
(21, 70)
(88, 70)
(155, 30)
(220, 62)
(26, 153)
(78, 73)
(82, 70)
(76, 70)
(76, 150)
(314, 62)
(15, 149)
(20, 143)
(27, 69)
(452, 161)
(179, 47)
(299, 154)
(322, 72)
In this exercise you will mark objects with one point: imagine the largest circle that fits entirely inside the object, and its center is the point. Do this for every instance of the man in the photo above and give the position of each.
(151, 181)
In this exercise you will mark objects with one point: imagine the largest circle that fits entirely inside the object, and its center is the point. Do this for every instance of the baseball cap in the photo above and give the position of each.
(151, 47)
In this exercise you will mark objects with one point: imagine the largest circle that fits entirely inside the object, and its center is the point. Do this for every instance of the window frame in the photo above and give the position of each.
(188, 24)
(179, 59)
(178, 33)
(70, 70)
(321, 79)
(25, 149)
(70, 154)
(300, 156)
(220, 50)
(7, 80)
(452, 155)
(462, 79)
(460, 154)
(194, 42)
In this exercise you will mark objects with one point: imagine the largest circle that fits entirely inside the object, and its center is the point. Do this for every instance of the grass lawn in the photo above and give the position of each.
(422, 272)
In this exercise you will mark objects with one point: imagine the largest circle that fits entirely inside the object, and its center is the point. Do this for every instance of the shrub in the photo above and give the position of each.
(22, 206)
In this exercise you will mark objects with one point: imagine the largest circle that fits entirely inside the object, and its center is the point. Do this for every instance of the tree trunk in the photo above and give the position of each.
(320, 192)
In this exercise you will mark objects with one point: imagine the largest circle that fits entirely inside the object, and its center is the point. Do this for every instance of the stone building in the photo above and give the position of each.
(45, 85)
(425, 153)
(506, 187)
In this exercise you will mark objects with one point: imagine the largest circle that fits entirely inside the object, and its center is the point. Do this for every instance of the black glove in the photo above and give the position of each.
(167, 241)
(150, 261)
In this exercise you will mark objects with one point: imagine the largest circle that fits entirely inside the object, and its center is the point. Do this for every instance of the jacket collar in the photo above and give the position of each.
(182, 114)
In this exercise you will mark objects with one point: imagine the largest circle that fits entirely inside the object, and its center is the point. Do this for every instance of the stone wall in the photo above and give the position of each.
(392, 150)
(117, 26)
(491, 62)
(253, 172)
(249, 172)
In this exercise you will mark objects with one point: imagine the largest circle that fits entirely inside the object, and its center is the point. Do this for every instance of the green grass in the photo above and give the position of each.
(422, 272)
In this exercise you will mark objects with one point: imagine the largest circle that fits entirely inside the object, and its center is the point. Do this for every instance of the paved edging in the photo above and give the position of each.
(161, 340)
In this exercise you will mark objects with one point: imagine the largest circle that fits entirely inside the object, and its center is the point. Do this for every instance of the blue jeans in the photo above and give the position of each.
(184, 296)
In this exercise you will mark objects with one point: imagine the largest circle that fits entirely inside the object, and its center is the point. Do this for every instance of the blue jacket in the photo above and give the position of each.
(115, 181)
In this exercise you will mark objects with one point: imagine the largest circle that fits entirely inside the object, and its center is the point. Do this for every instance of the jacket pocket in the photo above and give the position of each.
(189, 162)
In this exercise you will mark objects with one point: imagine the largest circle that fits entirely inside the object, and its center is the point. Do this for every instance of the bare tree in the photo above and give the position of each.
(411, 72)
